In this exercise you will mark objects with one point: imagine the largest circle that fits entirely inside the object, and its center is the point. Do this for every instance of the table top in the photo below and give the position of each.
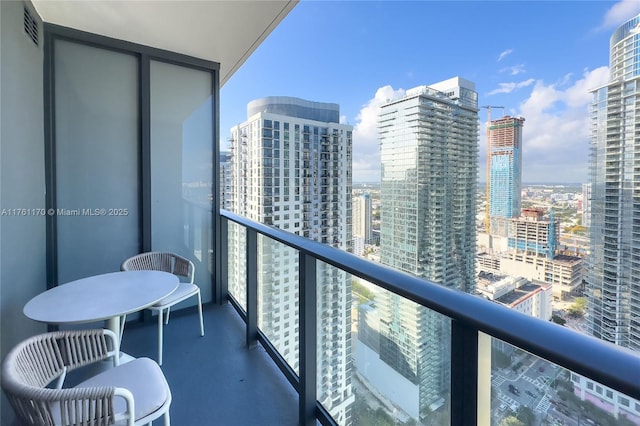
(101, 297)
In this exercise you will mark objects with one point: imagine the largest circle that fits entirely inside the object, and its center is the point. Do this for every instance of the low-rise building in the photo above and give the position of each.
(607, 399)
(518, 293)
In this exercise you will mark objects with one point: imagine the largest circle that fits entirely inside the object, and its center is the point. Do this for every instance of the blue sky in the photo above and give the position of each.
(538, 59)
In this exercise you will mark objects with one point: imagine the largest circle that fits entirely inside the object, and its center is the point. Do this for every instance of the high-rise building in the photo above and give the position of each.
(429, 153)
(361, 221)
(586, 204)
(505, 172)
(613, 279)
(292, 169)
(226, 180)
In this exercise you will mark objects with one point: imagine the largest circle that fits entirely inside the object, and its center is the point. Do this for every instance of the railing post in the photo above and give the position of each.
(484, 378)
(222, 286)
(307, 352)
(252, 287)
(464, 374)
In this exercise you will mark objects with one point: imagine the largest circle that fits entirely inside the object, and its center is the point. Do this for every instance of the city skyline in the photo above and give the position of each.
(373, 51)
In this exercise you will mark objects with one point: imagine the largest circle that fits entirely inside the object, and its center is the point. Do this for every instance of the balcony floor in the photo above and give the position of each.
(215, 379)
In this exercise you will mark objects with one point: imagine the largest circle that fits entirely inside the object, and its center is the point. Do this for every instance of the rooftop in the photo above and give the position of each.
(517, 293)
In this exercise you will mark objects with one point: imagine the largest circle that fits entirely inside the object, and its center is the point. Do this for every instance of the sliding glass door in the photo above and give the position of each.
(97, 176)
(182, 164)
(131, 156)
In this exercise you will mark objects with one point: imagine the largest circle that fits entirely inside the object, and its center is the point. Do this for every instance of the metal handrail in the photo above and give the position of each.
(606, 363)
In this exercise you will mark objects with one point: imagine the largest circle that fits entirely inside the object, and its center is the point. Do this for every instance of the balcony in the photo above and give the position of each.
(241, 377)
(214, 379)
(473, 329)
(246, 369)
(121, 47)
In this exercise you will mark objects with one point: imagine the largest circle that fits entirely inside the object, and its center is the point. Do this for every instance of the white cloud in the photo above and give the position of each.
(514, 70)
(579, 94)
(566, 79)
(504, 54)
(620, 13)
(556, 131)
(366, 149)
(510, 87)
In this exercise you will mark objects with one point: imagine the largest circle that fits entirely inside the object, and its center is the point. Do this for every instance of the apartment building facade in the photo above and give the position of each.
(291, 162)
(586, 204)
(362, 222)
(429, 153)
(613, 280)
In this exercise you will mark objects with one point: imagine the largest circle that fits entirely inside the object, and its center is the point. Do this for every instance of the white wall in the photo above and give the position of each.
(22, 180)
(522, 269)
(391, 384)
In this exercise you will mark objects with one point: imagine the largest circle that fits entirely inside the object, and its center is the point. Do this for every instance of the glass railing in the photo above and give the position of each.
(537, 391)
(368, 345)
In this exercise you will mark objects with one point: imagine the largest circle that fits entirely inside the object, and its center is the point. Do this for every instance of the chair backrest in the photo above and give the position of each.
(160, 261)
(36, 362)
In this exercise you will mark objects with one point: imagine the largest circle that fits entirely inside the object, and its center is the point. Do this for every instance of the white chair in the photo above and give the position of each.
(134, 393)
(177, 265)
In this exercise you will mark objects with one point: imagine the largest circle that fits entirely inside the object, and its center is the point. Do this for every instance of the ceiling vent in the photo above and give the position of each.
(30, 26)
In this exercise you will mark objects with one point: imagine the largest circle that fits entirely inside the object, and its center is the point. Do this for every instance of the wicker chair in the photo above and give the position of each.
(133, 393)
(177, 265)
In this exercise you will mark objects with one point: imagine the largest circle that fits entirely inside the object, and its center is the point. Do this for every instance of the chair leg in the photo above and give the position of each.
(200, 312)
(167, 420)
(160, 327)
(166, 318)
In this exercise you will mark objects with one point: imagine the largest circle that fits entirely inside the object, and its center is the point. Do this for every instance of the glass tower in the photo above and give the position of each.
(613, 279)
(429, 153)
(505, 165)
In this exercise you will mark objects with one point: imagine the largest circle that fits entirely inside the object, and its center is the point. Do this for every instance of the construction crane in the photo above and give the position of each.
(487, 221)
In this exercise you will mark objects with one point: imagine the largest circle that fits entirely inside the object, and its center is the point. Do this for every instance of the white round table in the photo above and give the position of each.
(101, 297)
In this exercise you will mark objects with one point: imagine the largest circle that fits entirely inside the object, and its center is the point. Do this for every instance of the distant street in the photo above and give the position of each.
(530, 387)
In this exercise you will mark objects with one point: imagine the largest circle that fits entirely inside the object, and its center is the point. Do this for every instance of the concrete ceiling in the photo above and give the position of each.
(221, 31)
